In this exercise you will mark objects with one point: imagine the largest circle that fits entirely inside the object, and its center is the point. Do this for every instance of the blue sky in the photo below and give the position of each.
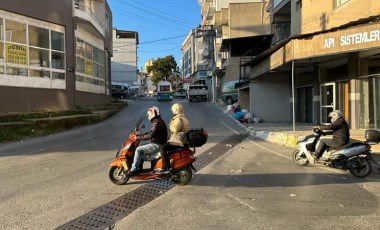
(162, 25)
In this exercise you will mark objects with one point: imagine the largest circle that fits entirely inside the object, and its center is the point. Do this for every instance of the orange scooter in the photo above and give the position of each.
(181, 160)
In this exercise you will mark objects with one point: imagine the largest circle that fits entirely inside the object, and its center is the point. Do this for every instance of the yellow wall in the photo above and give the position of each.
(248, 19)
(319, 15)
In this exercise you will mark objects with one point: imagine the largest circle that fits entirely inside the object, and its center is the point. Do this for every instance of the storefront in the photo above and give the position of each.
(332, 70)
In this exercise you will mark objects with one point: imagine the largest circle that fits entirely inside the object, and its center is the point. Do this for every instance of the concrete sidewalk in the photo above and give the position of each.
(283, 133)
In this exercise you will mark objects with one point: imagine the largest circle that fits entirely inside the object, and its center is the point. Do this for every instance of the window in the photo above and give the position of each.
(15, 32)
(27, 49)
(338, 3)
(90, 62)
(57, 41)
(39, 57)
(38, 37)
(298, 5)
(1, 30)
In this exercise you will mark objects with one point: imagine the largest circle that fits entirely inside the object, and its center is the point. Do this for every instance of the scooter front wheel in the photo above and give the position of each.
(300, 158)
(117, 175)
(182, 176)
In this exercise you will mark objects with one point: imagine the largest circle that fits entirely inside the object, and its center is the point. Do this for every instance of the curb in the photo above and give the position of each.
(290, 140)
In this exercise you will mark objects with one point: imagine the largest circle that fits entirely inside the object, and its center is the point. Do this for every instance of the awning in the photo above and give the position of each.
(337, 41)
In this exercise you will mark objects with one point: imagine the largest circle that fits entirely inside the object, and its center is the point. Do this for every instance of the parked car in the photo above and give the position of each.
(120, 90)
(229, 92)
(180, 93)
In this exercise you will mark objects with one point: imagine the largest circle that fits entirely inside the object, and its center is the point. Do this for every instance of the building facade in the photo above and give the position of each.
(57, 60)
(331, 56)
(124, 60)
(242, 31)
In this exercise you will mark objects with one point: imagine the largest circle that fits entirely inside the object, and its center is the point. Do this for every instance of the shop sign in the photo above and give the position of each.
(351, 39)
(16, 54)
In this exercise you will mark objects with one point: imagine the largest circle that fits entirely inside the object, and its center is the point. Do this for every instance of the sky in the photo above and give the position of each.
(162, 25)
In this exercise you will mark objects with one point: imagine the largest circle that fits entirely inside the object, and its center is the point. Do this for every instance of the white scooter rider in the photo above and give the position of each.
(340, 134)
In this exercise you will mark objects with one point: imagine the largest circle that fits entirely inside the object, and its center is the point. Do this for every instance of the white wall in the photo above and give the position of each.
(124, 60)
(270, 99)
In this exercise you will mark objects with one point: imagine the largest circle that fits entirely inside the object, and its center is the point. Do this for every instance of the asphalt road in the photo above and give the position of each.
(47, 182)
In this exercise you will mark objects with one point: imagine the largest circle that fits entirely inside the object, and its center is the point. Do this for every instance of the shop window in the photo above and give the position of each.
(38, 37)
(56, 75)
(1, 30)
(80, 65)
(39, 57)
(102, 72)
(80, 47)
(88, 51)
(90, 61)
(57, 41)
(2, 60)
(96, 70)
(80, 78)
(39, 73)
(95, 56)
(57, 60)
(101, 57)
(17, 71)
(15, 32)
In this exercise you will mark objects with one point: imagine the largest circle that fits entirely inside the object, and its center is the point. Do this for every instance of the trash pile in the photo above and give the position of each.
(241, 115)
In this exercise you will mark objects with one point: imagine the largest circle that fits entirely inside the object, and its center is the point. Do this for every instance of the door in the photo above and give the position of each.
(327, 101)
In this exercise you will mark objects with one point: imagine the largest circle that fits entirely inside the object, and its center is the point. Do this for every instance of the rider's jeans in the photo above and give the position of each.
(140, 151)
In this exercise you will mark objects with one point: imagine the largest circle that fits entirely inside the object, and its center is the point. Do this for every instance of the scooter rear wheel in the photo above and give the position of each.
(118, 176)
(360, 167)
(182, 176)
(300, 158)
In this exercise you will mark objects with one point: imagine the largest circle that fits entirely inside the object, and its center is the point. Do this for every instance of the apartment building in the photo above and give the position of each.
(242, 31)
(124, 60)
(329, 60)
(54, 56)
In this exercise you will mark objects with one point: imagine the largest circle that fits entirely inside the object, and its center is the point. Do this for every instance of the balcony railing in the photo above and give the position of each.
(281, 31)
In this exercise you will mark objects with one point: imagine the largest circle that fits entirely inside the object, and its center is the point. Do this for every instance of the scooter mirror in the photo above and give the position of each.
(142, 126)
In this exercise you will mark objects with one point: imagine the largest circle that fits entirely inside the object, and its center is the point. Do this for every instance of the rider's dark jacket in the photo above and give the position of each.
(341, 131)
(158, 132)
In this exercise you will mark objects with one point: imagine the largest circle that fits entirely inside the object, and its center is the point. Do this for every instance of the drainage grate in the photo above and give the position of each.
(105, 216)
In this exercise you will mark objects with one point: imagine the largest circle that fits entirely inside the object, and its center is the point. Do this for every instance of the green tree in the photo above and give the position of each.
(163, 69)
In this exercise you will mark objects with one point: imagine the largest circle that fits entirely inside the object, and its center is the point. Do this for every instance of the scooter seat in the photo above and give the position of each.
(349, 144)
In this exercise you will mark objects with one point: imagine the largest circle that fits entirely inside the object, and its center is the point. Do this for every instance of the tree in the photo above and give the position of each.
(163, 69)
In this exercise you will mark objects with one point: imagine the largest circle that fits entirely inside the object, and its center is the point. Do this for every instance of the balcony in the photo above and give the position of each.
(281, 31)
(87, 13)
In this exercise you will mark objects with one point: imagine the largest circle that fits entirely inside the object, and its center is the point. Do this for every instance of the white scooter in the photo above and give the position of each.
(354, 156)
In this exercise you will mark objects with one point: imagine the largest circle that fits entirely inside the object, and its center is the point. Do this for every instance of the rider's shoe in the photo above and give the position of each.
(132, 172)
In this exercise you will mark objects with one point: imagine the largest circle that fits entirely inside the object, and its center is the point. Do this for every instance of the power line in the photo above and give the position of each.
(151, 13)
(158, 40)
(147, 19)
(184, 20)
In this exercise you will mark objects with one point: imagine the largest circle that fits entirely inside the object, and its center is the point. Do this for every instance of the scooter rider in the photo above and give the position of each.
(178, 125)
(340, 133)
(158, 136)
